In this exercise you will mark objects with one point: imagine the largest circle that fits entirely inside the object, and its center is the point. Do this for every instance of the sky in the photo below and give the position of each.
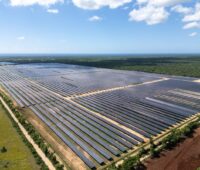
(99, 26)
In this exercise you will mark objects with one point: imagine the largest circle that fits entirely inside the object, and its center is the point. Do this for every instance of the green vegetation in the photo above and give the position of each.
(178, 65)
(170, 141)
(3, 149)
(13, 153)
(132, 163)
(142, 152)
(35, 136)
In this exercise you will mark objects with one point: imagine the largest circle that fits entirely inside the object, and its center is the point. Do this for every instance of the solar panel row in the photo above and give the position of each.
(140, 115)
(81, 130)
(110, 123)
(68, 80)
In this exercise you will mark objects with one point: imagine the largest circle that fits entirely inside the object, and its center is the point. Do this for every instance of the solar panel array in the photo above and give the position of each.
(95, 140)
(23, 91)
(100, 139)
(98, 128)
(140, 115)
(69, 80)
(183, 97)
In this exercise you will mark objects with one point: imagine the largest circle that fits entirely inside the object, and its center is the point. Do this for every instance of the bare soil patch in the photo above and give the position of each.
(186, 156)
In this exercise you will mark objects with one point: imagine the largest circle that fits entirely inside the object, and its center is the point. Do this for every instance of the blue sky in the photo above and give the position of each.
(99, 26)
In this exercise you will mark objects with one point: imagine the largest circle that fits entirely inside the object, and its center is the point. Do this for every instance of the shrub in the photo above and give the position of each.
(132, 163)
(3, 149)
(59, 166)
(154, 152)
(172, 139)
(142, 152)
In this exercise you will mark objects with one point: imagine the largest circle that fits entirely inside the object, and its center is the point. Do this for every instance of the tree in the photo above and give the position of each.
(142, 152)
(132, 163)
(152, 143)
(59, 166)
(3, 150)
(153, 152)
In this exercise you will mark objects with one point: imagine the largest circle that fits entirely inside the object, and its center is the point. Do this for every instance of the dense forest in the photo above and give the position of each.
(182, 66)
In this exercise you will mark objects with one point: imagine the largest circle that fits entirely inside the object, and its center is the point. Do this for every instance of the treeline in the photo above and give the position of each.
(175, 137)
(35, 136)
(181, 66)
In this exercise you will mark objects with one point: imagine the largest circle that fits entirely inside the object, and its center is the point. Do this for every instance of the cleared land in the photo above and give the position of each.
(90, 112)
(18, 155)
(185, 156)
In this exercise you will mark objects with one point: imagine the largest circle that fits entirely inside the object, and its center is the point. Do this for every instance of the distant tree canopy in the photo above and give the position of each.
(181, 66)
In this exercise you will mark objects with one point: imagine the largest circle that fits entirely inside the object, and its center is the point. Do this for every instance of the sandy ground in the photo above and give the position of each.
(65, 153)
(197, 81)
(186, 156)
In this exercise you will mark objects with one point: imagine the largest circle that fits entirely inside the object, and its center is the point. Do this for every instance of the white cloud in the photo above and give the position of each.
(149, 11)
(195, 16)
(142, 1)
(125, 8)
(191, 25)
(150, 14)
(34, 2)
(95, 18)
(21, 38)
(192, 17)
(161, 3)
(53, 11)
(181, 9)
(97, 4)
(193, 34)
(153, 11)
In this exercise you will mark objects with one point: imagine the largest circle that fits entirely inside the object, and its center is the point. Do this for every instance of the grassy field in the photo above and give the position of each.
(17, 156)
